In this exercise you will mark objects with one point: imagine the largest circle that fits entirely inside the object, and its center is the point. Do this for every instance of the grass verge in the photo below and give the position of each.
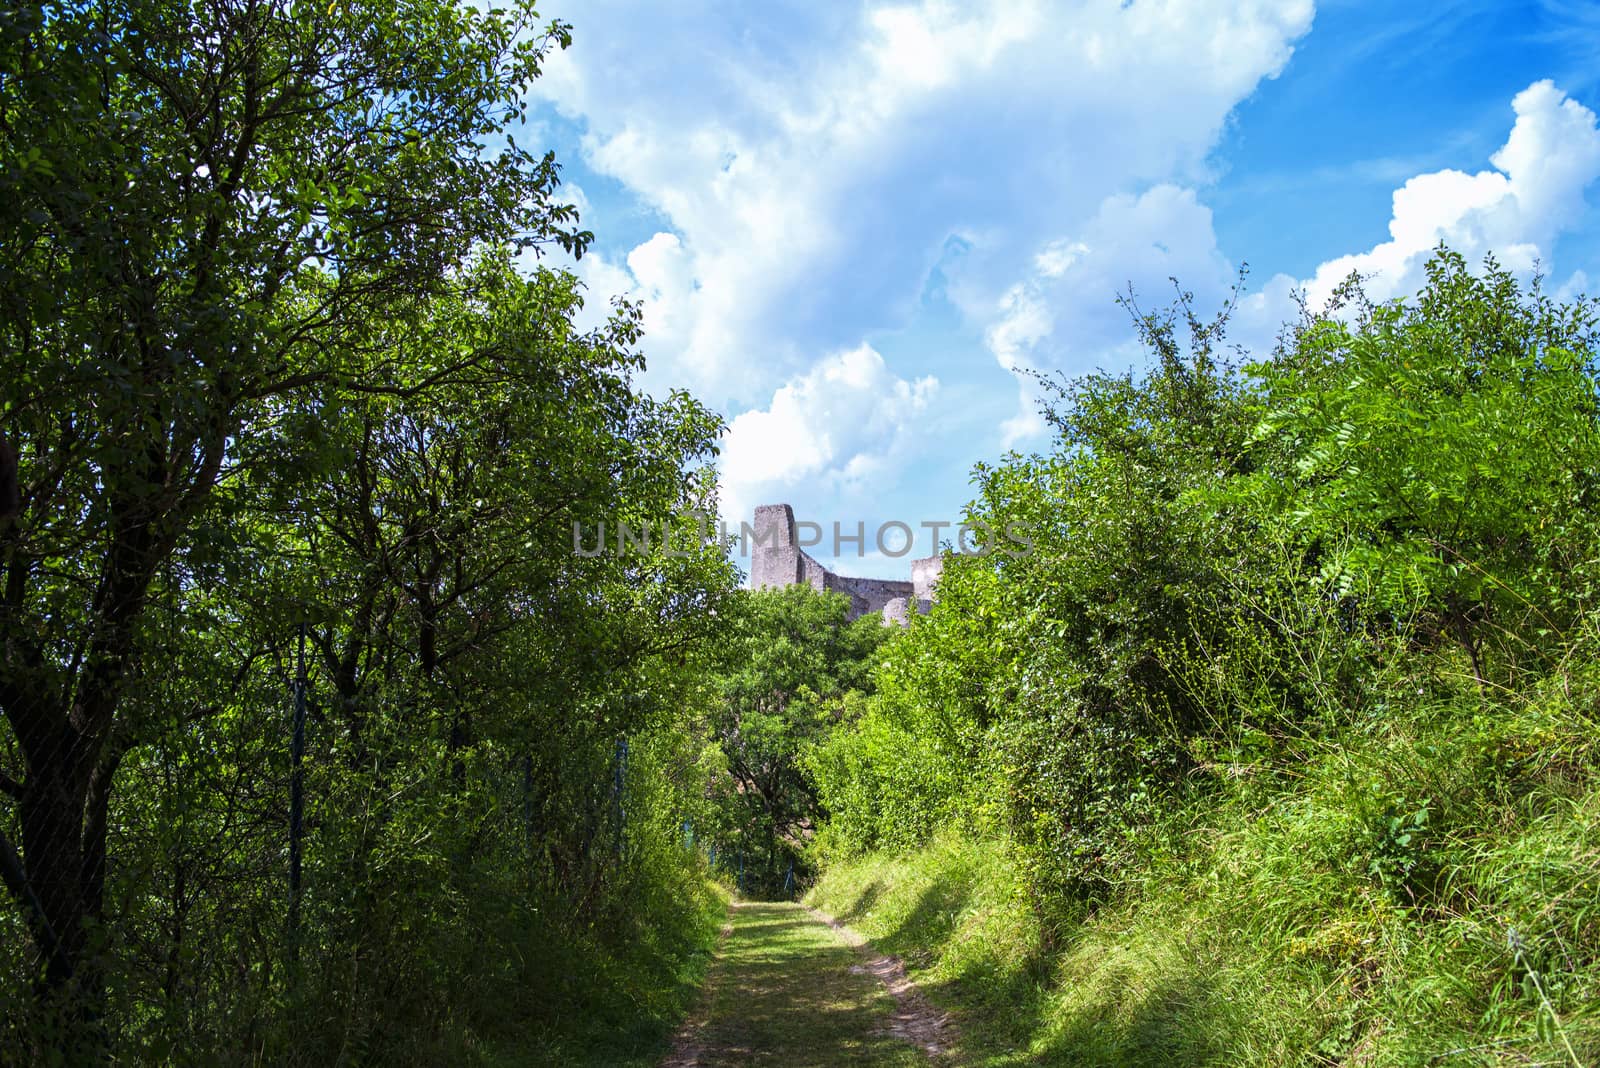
(788, 991)
(1423, 893)
(611, 1000)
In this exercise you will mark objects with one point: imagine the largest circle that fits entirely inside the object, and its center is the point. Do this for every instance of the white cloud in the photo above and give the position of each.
(1054, 259)
(1516, 210)
(844, 423)
(1025, 319)
(1576, 286)
(1139, 241)
(808, 170)
(573, 194)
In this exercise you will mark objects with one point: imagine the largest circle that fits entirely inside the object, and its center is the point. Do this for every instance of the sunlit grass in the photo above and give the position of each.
(1285, 921)
(788, 991)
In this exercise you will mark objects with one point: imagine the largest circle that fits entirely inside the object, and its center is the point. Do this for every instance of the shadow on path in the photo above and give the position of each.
(789, 989)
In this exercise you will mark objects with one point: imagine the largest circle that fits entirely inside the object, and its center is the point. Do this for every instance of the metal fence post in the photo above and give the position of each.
(297, 750)
(619, 816)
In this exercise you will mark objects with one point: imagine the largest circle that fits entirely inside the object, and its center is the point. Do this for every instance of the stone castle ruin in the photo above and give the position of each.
(777, 559)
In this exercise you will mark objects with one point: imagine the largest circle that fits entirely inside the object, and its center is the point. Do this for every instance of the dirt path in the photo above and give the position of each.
(915, 1020)
(794, 987)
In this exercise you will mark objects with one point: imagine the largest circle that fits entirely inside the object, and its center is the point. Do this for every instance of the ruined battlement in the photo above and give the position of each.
(777, 559)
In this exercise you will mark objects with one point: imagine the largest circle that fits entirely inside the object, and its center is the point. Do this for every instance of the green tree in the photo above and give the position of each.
(916, 756)
(1438, 458)
(206, 208)
(794, 664)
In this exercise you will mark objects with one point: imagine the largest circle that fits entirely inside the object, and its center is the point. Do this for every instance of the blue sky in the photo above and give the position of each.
(851, 224)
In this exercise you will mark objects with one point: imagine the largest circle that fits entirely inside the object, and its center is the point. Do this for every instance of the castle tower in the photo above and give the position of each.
(774, 556)
(777, 560)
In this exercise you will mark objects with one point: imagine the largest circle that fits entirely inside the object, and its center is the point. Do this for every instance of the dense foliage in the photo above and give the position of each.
(793, 667)
(278, 402)
(1354, 578)
(324, 742)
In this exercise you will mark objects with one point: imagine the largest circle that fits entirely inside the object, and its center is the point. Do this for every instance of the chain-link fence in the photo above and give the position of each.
(278, 864)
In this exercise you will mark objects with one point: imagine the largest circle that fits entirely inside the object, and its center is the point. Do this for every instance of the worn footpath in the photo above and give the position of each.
(792, 987)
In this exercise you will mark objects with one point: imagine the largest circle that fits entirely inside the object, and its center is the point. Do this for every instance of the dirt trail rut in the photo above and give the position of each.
(794, 987)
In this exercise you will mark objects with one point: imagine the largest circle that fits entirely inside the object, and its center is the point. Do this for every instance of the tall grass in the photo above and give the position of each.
(609, 997)
(1422, 888)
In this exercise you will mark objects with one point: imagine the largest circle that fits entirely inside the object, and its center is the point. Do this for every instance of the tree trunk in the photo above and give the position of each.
(67, 788)
(52, 848)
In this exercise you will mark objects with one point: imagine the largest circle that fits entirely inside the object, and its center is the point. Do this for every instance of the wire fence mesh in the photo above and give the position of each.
(269, 852)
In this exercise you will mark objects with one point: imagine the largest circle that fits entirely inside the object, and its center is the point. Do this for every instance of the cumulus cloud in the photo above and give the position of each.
(803, 167)
(844, 423)
(1515, 210)
(1131, 242)
(813, 159)
(1025, 319)
(572, 193)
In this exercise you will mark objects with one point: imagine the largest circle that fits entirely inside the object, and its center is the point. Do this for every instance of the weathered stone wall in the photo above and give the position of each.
(812, 573)
(898, 610)
(777, 560)
(925, 575)
(867, 595)
(774, 558)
